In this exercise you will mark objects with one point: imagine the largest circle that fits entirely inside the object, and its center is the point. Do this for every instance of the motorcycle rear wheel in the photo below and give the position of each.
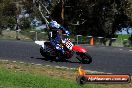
(45, 54)
(42, 52)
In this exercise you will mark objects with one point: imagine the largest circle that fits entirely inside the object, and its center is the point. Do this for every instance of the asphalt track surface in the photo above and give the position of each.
(105, 59)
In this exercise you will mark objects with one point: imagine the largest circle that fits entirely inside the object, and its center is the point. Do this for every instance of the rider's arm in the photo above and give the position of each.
(64, 29)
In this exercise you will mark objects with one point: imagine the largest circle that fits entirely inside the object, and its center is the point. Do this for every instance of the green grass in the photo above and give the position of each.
(16, 75)
(14, 79)
(123, 37)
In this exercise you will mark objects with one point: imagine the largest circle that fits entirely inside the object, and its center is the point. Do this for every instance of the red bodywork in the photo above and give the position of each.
(79, 49)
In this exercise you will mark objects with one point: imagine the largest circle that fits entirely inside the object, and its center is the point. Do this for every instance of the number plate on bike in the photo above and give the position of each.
(69, 44)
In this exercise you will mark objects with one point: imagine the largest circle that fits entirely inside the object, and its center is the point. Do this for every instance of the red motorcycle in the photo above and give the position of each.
(49, 52)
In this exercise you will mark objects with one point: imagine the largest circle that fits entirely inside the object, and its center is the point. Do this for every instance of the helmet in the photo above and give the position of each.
(54, 24)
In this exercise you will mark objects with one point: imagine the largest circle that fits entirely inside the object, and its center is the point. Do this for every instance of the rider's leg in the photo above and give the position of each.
(58, 41)
(55, 44)
(55, 41)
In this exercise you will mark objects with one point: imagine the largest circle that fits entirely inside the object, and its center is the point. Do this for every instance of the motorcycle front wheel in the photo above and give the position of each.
(85, 58)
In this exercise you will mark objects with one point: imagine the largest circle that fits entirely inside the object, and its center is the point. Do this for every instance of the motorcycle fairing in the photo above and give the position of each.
(79, 49)
(41, 43)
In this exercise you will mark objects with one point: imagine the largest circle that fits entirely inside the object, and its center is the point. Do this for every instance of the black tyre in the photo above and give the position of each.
(85, 58)
(81, 80)
(43, 53)
(60, 56)
(46, 55)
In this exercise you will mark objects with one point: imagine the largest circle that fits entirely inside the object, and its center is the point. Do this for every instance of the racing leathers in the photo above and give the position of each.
(55, 35)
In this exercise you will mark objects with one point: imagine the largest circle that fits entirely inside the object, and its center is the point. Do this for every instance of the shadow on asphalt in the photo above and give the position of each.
(56, 60)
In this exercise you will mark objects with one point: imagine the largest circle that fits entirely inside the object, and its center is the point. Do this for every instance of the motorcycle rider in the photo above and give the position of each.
(55, 34)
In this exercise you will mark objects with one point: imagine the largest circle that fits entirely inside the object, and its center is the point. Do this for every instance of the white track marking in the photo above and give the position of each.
(47, 65)
(14, 61)
(130, 50)
(121, 49)
(5, 60)
(38, 64)
(21, 62)
(32, 63)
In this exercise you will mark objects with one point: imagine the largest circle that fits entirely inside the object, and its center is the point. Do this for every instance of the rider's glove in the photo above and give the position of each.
(58, 47)
(63, 41)
(67, 33)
